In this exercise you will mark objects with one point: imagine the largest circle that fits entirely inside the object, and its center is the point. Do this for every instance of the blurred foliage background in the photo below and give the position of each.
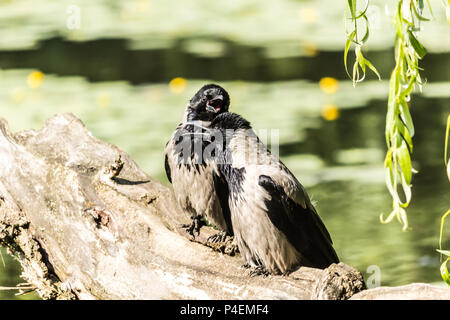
(131, 66)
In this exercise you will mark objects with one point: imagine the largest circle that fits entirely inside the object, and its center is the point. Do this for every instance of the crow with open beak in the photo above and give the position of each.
(193, 176)
(276, 227)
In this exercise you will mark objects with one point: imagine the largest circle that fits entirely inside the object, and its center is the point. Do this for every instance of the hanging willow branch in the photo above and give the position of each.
(399, 124)
(405, 76)
(353, 37)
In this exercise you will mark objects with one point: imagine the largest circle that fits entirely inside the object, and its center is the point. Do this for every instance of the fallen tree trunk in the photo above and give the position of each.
(413, 291)
(86, 223)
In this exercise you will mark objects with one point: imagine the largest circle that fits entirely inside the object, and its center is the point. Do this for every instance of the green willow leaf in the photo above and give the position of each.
(407, 91)
(399, 20)
(404, 160)
(441, 233)
(420, 5)
(398, 139)
(388, 159)
(363, 13)
(447, 133)
(371, 67)
(391, 106)
(360, 59)
(406, 117)
(366, 35)
(408, 194)
(447, 11)
(403, 218)
(352, 6)
(389, 178)
(355, 74)
(350, 38)
(444, 252)
(448, 170)
(391, 216)
(420, 50)
(444, 272)
(418, 15)
(403, 130)
(429, 8)
(408, 140)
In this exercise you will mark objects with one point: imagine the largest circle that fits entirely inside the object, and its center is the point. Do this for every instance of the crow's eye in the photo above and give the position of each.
(209, 97)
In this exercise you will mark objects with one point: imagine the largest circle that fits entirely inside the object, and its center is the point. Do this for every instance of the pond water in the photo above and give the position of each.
(332, 139)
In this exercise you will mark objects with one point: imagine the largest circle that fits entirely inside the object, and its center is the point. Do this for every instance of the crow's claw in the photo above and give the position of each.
(194, 227)
(218, 237)
(258, 271)
(222, 242)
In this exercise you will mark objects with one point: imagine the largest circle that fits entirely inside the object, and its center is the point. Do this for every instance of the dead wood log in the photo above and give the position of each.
(413, 291)
(86, 223)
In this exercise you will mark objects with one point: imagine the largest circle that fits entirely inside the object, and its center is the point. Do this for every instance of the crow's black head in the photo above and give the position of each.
(208, 102)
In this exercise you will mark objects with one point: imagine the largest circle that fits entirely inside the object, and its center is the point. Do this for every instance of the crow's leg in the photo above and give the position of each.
(195, 226)
(223, 242)
(220, 236)
(258, 271)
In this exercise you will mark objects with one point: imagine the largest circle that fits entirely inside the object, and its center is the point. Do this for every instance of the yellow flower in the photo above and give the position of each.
(308, 15)
(309, 49)
(330, 112)
(328, 85)
(18, 95)
(177, 85)
(35, 79)
(103, 100)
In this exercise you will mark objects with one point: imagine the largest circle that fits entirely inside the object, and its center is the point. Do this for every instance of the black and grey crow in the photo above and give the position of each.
(193, 176)
(276, 227)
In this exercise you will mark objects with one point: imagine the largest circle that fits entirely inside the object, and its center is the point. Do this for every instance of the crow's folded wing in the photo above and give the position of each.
(166, 165)
(302, 226)
(222, 192)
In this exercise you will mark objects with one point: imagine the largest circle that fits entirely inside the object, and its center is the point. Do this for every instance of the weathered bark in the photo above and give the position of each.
(85, 222)
(413, 291)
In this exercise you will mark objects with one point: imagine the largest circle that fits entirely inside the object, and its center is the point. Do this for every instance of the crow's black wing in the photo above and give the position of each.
(222, 192)
(301, 226)
(166, 165)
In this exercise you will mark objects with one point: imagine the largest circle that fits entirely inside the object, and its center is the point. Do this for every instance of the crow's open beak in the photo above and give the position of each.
(215, 104)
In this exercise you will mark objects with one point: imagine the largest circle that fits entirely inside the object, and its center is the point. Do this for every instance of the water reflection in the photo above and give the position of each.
(10, 277)
(112, 59)
(351, 208)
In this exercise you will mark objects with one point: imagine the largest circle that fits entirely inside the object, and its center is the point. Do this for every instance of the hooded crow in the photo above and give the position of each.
(194, 177)
(276, 227)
